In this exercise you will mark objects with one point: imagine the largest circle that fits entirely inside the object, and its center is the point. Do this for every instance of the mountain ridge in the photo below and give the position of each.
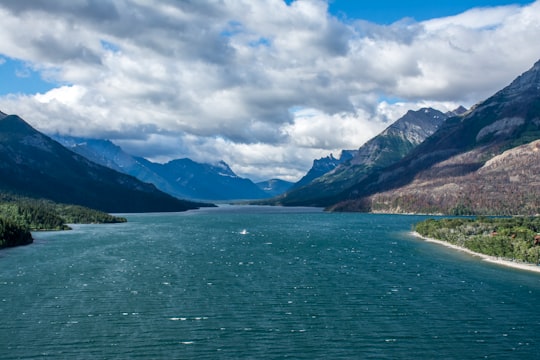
(34, 165)
(459, 149)
(323, 166)
(182, 178)
(389, 146)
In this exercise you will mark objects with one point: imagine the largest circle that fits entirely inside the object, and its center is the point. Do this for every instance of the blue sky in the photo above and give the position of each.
(267, 86)
(19, 77)
(389, 11)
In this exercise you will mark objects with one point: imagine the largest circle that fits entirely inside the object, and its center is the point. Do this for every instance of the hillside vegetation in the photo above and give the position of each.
(12, 234)
(19, 216)
(514, 238)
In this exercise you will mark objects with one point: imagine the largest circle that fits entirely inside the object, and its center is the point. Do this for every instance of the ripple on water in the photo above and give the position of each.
(297, 284)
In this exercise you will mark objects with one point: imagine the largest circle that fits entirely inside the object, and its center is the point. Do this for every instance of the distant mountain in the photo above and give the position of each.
(394, 143)
(324, 165)
(106, 153)
(205, 181)
(274, 187)
(483, 162)
(183, 178)
(34, 165)
(456, 112)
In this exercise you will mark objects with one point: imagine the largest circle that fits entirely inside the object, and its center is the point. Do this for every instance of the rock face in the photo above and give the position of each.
(399, 138)
(483, 162)
(34, 165)
(183, 178)
(391, 145)
(324, 165)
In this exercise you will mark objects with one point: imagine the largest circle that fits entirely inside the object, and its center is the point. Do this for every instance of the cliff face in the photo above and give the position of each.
(323, 166)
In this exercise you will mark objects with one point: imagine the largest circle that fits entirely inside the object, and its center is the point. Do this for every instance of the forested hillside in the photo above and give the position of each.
(21, 215)
(12, 234)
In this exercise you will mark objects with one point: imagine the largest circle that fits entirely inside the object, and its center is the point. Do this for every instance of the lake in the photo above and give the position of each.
(260, 282)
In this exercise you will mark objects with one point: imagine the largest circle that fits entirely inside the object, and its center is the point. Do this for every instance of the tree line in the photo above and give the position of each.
(19, 216)
(516, 238)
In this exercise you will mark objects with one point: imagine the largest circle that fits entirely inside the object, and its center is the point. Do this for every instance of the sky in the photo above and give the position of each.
(266, 86)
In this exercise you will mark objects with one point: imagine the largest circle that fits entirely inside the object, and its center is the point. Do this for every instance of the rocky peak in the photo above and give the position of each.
(415, 126)
(325, 165)
(529, 81)
(460, 110)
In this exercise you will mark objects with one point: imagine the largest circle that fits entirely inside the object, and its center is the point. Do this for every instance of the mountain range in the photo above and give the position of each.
(485, 161)
(183, 178)
(34, 165)
(384, 149)
(323, 166)
(482, 161)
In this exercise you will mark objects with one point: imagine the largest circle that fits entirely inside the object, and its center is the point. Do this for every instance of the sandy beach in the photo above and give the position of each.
(492, 259)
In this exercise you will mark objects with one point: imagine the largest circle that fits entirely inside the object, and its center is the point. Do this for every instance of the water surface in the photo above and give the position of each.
(258, 282)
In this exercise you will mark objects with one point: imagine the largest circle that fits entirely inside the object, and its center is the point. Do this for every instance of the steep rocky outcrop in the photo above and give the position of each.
(323, 166)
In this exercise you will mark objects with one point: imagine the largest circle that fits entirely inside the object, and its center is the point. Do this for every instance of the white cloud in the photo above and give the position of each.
(311, 128)
(265, 86)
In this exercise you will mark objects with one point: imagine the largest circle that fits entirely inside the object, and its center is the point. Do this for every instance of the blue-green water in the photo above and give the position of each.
(298, 283)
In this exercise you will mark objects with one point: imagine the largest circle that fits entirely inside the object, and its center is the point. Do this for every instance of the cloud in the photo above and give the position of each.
(263, 85)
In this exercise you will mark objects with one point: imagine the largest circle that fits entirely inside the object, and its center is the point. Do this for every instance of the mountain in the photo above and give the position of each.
(274, 187)
(391, 145)
(324, 165)
(205, 181)
(106, 153)
(183, 178)
(506, 184)
(460, 110)
(34, 165)
(483, 162)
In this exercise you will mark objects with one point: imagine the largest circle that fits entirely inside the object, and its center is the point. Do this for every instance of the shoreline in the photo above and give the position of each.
(484, 257)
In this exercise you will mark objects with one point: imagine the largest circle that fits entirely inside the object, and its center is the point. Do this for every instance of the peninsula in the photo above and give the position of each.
(513, 242)
(20, 215)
